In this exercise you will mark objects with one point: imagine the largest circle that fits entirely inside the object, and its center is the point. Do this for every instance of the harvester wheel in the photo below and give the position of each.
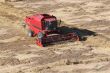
(40, 35)
(30, 33)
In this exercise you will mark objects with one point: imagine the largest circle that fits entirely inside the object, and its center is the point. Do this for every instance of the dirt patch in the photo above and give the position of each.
(3, 31)
(88, 18)
(13, 39)
(9, 61)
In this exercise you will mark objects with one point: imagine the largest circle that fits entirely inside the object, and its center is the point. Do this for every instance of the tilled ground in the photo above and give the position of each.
(88, 18)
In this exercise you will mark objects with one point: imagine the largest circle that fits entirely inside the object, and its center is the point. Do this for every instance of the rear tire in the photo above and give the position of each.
(30, 33)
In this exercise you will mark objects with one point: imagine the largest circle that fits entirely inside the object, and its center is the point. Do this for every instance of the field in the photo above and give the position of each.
(89, 18)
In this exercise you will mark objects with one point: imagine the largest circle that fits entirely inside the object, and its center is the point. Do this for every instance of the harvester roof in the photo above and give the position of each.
(42, 16)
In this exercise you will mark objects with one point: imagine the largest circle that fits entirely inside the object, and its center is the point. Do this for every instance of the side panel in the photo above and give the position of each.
(33, 25)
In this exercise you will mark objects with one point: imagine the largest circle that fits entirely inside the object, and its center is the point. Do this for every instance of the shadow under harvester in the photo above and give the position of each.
(82, 33)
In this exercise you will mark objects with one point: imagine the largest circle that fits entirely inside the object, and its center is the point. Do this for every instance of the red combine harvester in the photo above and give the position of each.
(47, 29)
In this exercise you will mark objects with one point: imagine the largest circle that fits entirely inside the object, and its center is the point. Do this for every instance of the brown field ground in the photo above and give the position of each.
(89, 18)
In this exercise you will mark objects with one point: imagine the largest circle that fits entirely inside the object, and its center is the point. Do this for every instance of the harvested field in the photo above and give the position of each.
(90, 19)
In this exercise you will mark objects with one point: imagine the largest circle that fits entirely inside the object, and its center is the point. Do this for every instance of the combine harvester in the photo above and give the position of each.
(47, 29)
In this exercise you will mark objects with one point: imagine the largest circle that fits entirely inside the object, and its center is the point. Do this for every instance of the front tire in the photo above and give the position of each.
(30, 33)
(40, 35)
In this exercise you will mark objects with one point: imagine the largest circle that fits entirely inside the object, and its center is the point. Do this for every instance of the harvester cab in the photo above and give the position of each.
(50, 24)
(47, 29)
